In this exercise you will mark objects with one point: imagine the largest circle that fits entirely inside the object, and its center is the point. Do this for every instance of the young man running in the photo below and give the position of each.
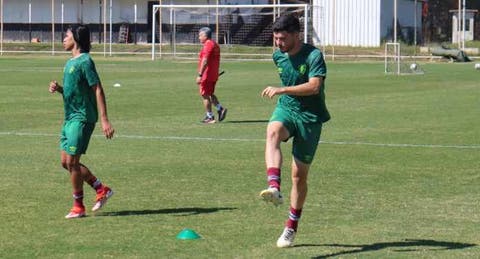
(83, 99)
(299, 114)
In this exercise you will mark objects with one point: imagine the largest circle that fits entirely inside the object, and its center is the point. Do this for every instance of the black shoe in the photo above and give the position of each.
(222, 114)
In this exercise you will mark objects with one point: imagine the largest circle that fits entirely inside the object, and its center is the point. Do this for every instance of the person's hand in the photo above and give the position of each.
(53, 86)
(198, 80)
(271, 91)
(107, 129)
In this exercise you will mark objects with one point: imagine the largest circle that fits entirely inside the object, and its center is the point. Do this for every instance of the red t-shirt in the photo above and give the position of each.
(210, 51)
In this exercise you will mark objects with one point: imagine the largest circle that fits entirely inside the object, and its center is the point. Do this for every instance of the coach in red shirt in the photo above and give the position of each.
(208, 64)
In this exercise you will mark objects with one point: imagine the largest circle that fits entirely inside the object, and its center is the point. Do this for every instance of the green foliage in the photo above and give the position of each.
(396, 177)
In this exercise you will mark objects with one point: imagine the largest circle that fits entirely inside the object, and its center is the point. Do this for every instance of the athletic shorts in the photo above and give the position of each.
(306, 135)
(207, 87)
(75, 137)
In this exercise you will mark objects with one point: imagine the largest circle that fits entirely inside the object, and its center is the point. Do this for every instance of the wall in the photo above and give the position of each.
(346, 22)
(89, 11)
(363, 23)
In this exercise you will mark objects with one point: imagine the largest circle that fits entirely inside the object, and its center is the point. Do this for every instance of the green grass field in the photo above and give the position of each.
(395, 177)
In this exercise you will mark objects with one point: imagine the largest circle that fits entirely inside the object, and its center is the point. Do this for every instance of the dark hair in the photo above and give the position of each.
(81, 35)
(288, 23)
(207, 31)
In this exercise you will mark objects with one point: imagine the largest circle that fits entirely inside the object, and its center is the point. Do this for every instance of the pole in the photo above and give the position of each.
(81, 11)
(135, 21)
(104, 28)
(395, 22)
(305, 24)
(153, 33)
(110, 17)
(463, 25)
(1, 27)
(334, 25)
(160, 29)
(274, 10)
(99, 21)
(30, 20)
(415, 30)
(459, 20)
(63, 15)
(216, 21)
(53, 27)
(173, 36)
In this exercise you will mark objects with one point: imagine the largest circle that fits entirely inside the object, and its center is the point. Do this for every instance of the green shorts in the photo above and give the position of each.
(75, 137)
(306, 135)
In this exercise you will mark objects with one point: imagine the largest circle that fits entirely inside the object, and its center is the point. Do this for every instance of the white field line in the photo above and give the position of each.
(345, 143)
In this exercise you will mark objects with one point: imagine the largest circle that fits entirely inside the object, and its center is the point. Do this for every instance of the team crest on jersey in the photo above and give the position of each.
(71, 70)
(302, 69)
(72, 149)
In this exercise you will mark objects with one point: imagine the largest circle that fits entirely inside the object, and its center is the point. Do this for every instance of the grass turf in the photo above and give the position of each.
(396, 176)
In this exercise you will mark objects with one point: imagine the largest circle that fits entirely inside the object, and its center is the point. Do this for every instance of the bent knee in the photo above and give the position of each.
(64, 165)
(277, 132)
(69, 165)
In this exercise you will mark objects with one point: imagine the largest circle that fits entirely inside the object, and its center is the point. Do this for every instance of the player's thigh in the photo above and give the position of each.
(306, 141)
(282, 121)
(207, 87)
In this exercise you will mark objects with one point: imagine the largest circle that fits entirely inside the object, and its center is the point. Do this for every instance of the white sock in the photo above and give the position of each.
(210, 114)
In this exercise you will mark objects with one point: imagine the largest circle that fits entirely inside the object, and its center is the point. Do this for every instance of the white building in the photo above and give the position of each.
(364, 23)
(335, 22)
(90, 11)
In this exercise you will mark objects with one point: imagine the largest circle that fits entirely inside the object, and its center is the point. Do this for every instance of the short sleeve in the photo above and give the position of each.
(208, 49)
(91, 72)
(317, 65)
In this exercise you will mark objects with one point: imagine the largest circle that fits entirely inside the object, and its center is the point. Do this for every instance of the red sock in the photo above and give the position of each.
(78, 199)
(293, 218)
(273, 175)
(95, 183)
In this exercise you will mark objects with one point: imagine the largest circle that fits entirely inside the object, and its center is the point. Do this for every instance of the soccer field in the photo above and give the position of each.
(396, 174)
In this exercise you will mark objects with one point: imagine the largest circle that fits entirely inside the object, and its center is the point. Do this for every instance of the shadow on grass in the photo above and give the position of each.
(177, 211)
(408, 245)
(247, 121)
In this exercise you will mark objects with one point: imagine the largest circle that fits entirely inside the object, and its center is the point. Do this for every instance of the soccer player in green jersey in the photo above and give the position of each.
(299, 114)
(83, 99)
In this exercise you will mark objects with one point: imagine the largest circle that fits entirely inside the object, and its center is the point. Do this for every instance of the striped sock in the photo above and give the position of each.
(273, 176)
(293, 218)
(96, 184)
(78, 199)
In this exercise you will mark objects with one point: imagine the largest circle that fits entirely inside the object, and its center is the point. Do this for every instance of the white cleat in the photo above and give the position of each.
(272, 195)
(287, 237)
(102, 198)
(75, 213)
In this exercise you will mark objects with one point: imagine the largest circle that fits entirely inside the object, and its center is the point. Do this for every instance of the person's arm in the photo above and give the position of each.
(55, 87)
(208, 49)
(107, 128)
(203, 66)
(311, 87)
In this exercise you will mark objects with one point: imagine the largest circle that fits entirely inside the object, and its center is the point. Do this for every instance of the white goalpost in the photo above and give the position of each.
(397, 64)
(394, 62)
(175, 28)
